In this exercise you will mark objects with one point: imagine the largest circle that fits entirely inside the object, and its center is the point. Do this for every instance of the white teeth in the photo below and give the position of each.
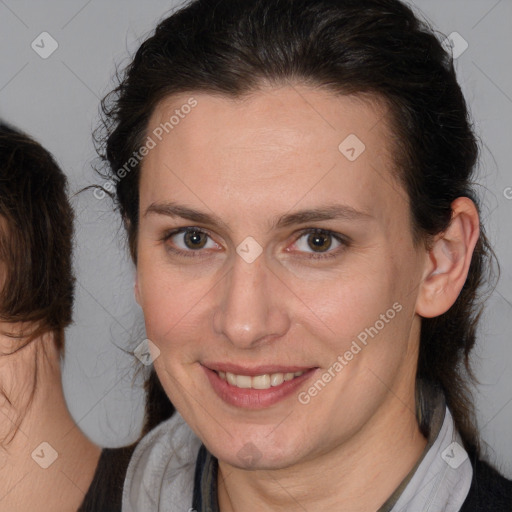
(261, 381)
(243, 381)
(276, 379)
(264, 381)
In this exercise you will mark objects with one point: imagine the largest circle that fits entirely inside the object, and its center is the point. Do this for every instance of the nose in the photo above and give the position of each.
(251, 309)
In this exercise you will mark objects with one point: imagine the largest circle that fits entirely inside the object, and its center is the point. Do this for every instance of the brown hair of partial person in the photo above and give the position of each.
(158, 405)
(378, 48)
(36, 240)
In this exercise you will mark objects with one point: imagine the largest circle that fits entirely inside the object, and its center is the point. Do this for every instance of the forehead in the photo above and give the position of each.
(274, 148)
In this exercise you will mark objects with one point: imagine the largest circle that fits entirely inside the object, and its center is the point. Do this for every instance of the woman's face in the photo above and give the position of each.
(298, 256)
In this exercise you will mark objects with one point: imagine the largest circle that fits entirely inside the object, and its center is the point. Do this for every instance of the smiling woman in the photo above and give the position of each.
(321, 181)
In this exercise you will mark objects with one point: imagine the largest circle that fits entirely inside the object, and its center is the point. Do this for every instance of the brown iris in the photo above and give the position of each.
(194, 237)
(315, 241)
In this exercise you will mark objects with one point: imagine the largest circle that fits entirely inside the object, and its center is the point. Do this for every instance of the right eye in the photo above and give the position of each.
(188, 241)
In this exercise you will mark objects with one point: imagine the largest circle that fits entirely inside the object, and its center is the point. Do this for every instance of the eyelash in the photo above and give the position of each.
(315, 256)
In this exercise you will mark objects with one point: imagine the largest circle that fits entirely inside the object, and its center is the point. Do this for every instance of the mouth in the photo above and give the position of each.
(264, 381)
(256, 388)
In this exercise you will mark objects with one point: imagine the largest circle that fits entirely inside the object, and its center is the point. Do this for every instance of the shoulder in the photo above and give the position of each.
(105, 492)
(489, 490)
(162, 467)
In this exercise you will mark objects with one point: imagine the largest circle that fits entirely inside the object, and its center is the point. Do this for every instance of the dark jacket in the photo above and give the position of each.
(106, 489)
(489, 491)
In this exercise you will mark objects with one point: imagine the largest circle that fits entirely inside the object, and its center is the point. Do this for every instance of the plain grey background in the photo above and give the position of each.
(56, 101)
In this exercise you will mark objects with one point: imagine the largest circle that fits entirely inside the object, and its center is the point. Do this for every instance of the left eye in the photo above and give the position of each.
(318, 241)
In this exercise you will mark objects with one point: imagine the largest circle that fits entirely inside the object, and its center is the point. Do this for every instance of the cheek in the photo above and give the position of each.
(158, 304)
(363, 316)
(350, 300)
(170, 301)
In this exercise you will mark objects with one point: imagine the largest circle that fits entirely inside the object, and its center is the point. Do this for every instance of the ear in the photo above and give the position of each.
(448, 261)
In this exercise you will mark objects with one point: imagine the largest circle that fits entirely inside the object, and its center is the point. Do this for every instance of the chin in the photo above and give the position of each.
(257, 452)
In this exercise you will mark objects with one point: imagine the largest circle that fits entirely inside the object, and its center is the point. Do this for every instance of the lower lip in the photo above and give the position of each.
(249, 398)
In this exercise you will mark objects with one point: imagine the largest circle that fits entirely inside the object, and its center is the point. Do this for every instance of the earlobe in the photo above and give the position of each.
(449, 259)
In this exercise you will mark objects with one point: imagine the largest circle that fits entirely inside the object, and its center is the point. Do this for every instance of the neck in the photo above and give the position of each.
(32, 399)
(34, 411)
(359, 475)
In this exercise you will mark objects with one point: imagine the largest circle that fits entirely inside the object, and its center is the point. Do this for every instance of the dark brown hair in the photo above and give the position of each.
(380, 47)
(36, 236)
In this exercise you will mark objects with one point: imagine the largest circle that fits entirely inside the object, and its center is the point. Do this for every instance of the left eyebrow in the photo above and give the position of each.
(330, 212)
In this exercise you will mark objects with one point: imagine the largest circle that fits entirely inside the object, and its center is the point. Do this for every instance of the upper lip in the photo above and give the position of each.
(255, 370)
